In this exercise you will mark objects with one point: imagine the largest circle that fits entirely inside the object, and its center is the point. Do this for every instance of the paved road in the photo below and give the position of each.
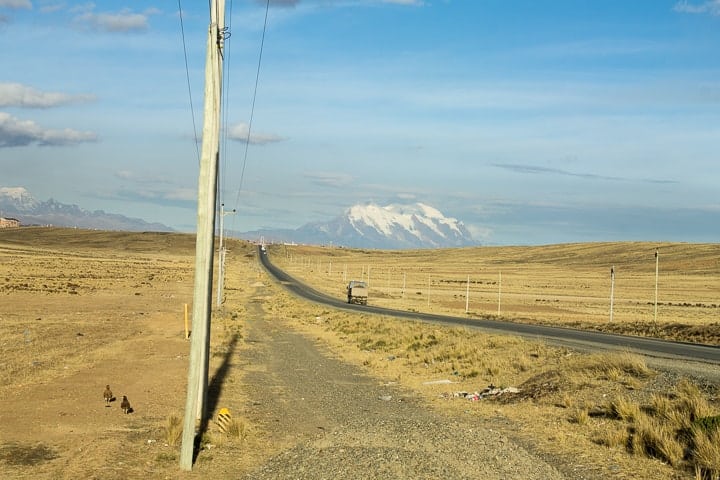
(579, 339)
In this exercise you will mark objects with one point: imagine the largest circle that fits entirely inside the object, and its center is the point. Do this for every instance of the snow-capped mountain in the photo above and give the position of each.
(18, 203)
(392, 226)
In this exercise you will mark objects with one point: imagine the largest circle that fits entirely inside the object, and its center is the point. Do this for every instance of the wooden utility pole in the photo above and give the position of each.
(499, 290)
(205, 242)
(467, 296)
(612, 291)
(221, 255)
(657, 267)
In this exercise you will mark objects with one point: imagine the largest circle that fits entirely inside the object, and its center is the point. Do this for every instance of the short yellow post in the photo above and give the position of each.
(187, 332)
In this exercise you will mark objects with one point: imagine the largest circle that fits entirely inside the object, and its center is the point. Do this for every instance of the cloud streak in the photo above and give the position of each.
(16, 4)
(23, 96)
(20, 133)
(537, 170)
(328, 179)
(711, 7)
(121, 22)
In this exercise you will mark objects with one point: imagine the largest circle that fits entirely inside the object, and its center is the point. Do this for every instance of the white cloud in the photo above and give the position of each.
(479, 233)
(177, 197)
(123, 21)
(239, 132)
(19, 133)
(52, 7)
(16, 4)
(712, 7)
(18, 95)
(182, 194)
(141, 178)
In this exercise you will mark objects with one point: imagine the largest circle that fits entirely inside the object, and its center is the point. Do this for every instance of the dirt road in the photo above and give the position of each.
(335, 422)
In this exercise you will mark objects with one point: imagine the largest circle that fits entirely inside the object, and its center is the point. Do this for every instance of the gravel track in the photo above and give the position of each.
(332, 421)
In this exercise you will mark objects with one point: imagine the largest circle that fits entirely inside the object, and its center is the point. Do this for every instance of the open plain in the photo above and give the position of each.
(319, 393)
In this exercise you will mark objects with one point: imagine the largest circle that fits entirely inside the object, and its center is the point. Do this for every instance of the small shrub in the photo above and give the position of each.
(707, 424)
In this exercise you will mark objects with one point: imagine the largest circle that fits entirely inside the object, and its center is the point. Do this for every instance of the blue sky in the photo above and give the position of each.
(531, 121)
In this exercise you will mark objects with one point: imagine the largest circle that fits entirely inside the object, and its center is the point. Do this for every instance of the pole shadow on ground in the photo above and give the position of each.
(213, 393)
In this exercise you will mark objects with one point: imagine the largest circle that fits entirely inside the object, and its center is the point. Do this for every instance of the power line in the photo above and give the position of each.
(252, 108)
(187, 75)
(226, 96)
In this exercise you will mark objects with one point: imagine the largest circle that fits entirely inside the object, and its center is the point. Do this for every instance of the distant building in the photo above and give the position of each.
(9, 222)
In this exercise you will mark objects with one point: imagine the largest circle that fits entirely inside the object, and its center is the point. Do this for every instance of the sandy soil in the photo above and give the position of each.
(72, 322)
(75, 321)
(84, 309)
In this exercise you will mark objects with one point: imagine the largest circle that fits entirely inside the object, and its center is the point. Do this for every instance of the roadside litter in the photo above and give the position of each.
(491, 391)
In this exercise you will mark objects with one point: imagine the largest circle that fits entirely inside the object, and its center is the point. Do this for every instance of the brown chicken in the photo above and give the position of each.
(125, 405)
(107, 395)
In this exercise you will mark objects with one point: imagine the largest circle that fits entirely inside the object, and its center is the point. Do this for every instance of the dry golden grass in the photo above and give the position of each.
(555, 284)
(692, 401)
(706, 453)
(625, 409)
(173, 430)
(566, 285)
(611, 436)
(655, 439)
(85, 308)
(236, 429)
(579, 416)
(636, 424)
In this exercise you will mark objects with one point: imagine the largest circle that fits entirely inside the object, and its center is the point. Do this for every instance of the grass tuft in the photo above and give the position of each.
(236, 429)
(173, 430)
(579, 416)
(692, 401)
(625, 409)
(657, 440)
(706, 453)
(612, 436)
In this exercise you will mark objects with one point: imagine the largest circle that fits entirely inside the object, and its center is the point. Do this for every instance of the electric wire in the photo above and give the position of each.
(225, 100)
(187, 76)
(252, 108)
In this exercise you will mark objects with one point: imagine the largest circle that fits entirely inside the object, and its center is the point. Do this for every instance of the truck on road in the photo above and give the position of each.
(357, 292)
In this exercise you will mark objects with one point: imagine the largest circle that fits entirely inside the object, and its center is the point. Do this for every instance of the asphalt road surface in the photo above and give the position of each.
(572, 338)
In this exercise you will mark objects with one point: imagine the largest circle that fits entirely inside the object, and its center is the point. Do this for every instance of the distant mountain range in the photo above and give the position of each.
(18, 203)
(395, 226)
(392, 226)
